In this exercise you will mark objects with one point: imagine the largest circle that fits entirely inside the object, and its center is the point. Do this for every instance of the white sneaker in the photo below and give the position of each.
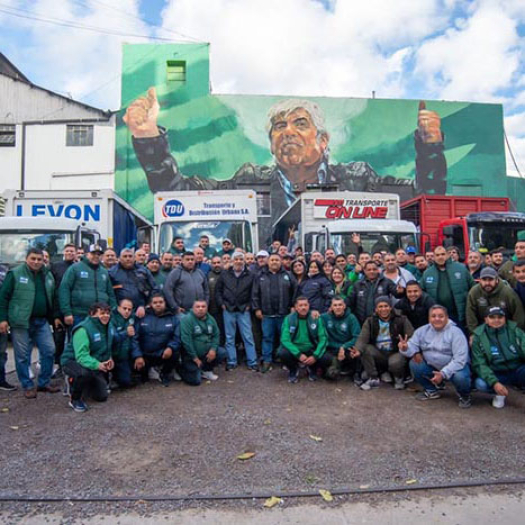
(498, 401)
(176, 376)
(369, 384)
(210, 376)
(399, 383)
(56, 368)
(153, 374)
(386, 377)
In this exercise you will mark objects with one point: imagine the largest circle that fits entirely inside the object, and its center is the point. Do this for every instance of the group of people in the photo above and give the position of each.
(110, 321)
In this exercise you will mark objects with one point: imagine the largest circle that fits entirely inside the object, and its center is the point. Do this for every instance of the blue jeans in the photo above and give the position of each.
(3, 356)
(39, 334)
(423, 371)
(232, 320)
(271, 327)
(514, 378)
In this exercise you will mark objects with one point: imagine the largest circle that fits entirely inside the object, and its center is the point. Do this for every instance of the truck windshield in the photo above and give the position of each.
(372, 242)
(238, 232)
(493, 235)
(14, 245)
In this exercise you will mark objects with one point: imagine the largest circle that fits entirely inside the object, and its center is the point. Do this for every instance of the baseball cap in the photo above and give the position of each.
(262, 253)
(95, 248)
(227, 240)
(495, 310)
(411, 249)
(488, 273)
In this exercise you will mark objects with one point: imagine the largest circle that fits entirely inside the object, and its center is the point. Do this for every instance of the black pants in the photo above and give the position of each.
(191, 373)
(85, 381)
(122, 373)
(59, 336)
(220, 323)
(291, 362)
(166, 365)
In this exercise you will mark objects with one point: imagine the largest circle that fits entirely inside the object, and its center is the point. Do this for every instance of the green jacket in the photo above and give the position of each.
(508, 354)
(160, 278)
(506, 272)
(341, 331)
(503, 296)
(121, 350)
(460, 283)
(297, 341)
(199, 336)
(84, 284)
(91, 344)
(18, 295)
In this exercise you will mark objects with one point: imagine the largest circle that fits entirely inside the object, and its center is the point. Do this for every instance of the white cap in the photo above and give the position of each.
(262, 253)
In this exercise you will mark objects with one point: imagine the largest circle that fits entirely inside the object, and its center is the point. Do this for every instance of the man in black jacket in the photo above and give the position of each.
(233, 295)
(415, 305)
(132, 281)
(274, 292)
(367, 290)
(58, 269)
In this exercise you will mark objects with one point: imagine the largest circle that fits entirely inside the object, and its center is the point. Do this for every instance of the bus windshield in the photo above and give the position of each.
(239, 232)
(493, 235)
(15, 244)
(372, 242)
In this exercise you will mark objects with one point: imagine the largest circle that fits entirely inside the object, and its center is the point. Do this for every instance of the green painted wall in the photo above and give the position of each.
(213, 135)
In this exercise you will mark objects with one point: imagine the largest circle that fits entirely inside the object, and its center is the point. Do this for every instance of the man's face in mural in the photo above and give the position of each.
(295, 141)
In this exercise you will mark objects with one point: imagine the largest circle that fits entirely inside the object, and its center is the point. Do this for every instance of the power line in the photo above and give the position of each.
(65, 23)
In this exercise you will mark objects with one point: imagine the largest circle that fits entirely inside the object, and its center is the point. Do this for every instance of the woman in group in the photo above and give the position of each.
(341, 285)
(316, 288)
(299, 270)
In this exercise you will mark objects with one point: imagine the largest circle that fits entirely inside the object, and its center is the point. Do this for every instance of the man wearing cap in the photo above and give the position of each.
(438, 352)
(233, 294)
(185, 284)
(85, 283)
(261, 261)
(132, 280)
(273, 296)
(287, 262)
(490, 291)
(154, 267)
(498, 356)
(378, 343)
(227, 247)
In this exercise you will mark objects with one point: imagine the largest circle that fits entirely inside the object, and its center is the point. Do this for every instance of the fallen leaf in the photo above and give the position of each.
(411, 481)
(288, 410)
(363, 487)
(208, 382)
(5, 410)
(326, 495)
(344, 403)
(245, 456)
(338, 390)
(267, 421)
(271, 502)
(311, 479)
(14, 428)
(230, 381)
(316, 438)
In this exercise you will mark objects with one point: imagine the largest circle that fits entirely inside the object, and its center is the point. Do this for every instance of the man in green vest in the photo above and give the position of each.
(85, 283)
(303, 340)
(27, 307)
(87, 359)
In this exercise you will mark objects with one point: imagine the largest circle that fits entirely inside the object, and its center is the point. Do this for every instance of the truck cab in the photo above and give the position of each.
(18, 234)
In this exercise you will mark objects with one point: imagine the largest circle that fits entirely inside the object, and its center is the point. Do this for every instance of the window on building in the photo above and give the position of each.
(176, 71)
(79, 135)
(7, 135)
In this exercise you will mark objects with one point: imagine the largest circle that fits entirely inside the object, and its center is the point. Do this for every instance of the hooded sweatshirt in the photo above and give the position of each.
(445, 350)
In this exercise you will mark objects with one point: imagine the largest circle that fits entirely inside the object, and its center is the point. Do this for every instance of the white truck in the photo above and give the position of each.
(219, 214)
(77, 216)
(320, 220)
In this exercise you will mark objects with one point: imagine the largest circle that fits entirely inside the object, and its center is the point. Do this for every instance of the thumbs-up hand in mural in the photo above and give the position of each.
(141, 115)
(428, 125)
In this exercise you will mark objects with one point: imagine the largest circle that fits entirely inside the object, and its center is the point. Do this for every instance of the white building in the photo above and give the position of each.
(49, 141)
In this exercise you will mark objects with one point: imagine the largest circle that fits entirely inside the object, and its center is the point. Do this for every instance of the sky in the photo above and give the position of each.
(425, 49)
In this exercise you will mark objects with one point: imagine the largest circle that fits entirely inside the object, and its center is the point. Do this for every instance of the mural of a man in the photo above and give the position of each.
(299, 143)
